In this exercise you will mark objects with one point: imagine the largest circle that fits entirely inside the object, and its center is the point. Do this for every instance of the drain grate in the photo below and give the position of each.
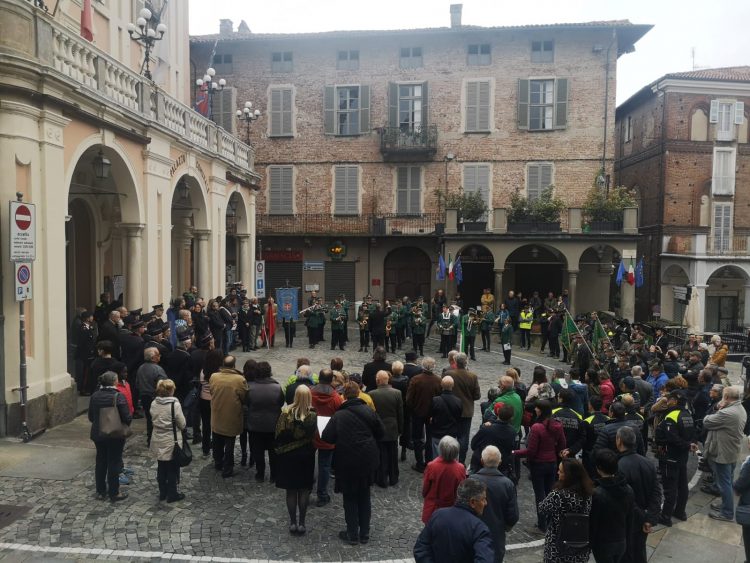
(9, 514)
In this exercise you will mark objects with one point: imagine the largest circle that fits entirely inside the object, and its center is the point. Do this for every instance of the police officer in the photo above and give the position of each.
(593, 424)
(572, 423)
(674, 434)
(527, 318)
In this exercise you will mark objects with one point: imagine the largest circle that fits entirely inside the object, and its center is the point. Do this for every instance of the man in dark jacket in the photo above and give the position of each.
(640, 474)
(389, 405)
(572, 422)
(607, 435)
(444, 413)
(411, 368)
(372, 368)
(466, 388)
(456, 534)
(264, 401)
(148, 375)
(611, 517)
(501, 512)
(178, 365)
(110, 330)
(499, 433)
(422, 388)
(594, 423)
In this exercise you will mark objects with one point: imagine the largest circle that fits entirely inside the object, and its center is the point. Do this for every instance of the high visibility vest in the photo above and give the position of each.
(526, 319)
(554, 411)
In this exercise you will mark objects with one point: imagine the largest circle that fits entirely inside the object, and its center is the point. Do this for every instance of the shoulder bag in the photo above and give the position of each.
(110, 423)
(182, 455)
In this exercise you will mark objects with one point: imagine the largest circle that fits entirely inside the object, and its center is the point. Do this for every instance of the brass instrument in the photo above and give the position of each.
(388, 326)
(363, 321)
(471, 321)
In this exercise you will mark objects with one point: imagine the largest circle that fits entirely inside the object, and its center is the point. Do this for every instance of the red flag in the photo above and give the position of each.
(631, 273)
(201, 102)
(87, 23)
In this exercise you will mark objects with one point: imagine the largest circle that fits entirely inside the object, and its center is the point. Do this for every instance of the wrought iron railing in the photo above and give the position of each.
(397, 139)
(367, 224)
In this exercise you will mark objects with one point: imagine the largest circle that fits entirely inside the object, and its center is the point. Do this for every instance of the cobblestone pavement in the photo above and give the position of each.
(237, 517)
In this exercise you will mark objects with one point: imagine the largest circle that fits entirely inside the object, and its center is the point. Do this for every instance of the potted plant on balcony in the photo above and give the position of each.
(471, 207)
(540, 214)
(603, 209)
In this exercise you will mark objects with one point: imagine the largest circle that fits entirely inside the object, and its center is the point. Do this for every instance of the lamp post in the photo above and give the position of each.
(144, 34)
(209, 86)
(247, 116)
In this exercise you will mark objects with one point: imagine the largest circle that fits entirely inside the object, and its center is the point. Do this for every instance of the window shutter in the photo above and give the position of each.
(483, 116)
(364, 110)
(470, 178)
(561, 103)
(329, 120)
(415, 173)
(739, 112)
(287, 192)
(281, 191)
(286, 116)
(392, 104)
(472, 103)
(275, 112)
(274, 195)
(523, 104)
(340, 190)
(483, 182)
(532, 184)
(402, 187)
(425, 98)
(545, 177)
(714, 113)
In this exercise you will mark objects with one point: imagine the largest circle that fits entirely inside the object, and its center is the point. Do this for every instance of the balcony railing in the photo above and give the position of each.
(398, 143)
(367, 224)
(70, 58)
(726, 246)
(701, 244)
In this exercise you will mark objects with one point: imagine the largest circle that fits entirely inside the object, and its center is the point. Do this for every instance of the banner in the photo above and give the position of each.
(599, 336)
(568, 331)
(287, 300)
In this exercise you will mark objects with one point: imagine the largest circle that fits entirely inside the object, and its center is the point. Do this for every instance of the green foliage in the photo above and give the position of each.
(607, 205)
(471, 206)
(545, 209)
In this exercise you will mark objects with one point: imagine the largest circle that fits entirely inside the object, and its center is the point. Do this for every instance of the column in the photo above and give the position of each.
(746, 313)
(133, 278)
(498, 287)
(627, 301)
(700, 307)
(251, 218)
(203, 263)
(572, 281)
(245, 268)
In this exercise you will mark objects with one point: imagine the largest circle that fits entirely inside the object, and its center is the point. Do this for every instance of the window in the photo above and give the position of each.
(723, 172)
(346, 190)
(223, 64)
(281, 61)
(726, 114)
(542, 51)
(722, 227)
(479, 55)
(538, 179)
(478, 105)
(477, 179)
(347, 60)
(281, 190)
(411, 57)
(281, 112)
(407, 106)
(543, 104)
(409, 190)
(629, 129)
(347, 110)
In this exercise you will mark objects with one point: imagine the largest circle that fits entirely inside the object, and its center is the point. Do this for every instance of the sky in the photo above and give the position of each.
(687, 34)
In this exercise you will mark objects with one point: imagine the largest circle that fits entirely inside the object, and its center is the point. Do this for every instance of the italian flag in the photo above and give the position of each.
(451, 274)
(631, 273)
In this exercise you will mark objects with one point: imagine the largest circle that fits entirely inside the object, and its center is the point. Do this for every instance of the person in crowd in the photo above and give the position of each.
(593, 425)
(244, 325)
(108, 448)
(148, 375)
(501, 512)
(390, 408)
(466, 388)
(456, 533)
(525, 321)
(211, 365)
(372, 368)
(572, 423)
(303, 376)
(545, 445)
(357, 378)
(295, 456)
(612, 510)
(264, 401)
(606, 390)
(441, 478)
(326, 401)
(110, 331)
(606, 437)
(581, 399)
(85, 352)
(355, 431)
(571, 495)
(169, 422)
(228, 394)
(422, 388)
(250, 371)
(742, 488)
(178, 366)
(104, 362)
(445, 413)
(509, 396)
(500, 434)
(506, 339)
(400, 381)
(657, 379)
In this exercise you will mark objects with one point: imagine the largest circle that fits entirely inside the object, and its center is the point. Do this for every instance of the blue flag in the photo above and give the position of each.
(441, 268)
(458, 271)
(639, 273)
(287, 299)
(621, 271)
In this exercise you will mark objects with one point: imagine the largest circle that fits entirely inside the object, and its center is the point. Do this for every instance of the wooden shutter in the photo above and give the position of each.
(392, 104)
(364, 110)
(483, 118)
(532, 182)
(402, 190)
(415, 189)
(346, 190)
(477, 179)
(275, 112)
(561, 103)
(739, 112)
(722, 225)
(472, 105)
(723, 179)
(545, 180)
(523, 104)
(713, 116)
(281, 112)
(425, 98)
(286, 116)
(281, 194)
(329, 120)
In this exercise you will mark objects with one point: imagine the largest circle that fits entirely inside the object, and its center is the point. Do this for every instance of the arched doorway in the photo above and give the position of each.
(190, 237)
(237, 240)
(596, 288)
(407, 271)
(724, 296)
(80, 234)
(670, 309)
(477, 264)
(535, 267)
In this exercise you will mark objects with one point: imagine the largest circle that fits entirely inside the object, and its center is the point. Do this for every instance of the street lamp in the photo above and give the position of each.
(208, 85)
(247, 116)
(101, 165)
(143, 33)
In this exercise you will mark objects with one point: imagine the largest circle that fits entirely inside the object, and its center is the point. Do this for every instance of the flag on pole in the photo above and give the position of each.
(458, 271)
(201, 102)
(631, 273)
(462, 335)
(569, 329)
(441, 268)
(639, 281)
(451, 274)
(87, 22)
(598, 336)
(620, 273)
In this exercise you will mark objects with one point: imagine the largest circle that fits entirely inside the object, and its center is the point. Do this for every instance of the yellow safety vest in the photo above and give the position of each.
(526, 319)
(554, 411)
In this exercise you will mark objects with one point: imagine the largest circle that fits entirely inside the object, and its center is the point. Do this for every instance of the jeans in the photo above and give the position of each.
(464, 428)
(609, 552)
(324, 473)
(723, 473)
(543, 476)
(357, 511)
(224, 453)
(167, 476)
(108, 466)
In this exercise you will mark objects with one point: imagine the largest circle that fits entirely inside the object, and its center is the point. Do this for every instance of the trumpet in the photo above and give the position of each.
(363, 321)
(388, 326)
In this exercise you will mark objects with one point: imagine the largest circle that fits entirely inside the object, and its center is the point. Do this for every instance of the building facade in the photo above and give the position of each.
(682, 143)
(147, 225)
(363, 133)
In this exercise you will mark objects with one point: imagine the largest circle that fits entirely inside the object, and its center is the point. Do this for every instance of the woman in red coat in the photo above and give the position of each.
(442, 476)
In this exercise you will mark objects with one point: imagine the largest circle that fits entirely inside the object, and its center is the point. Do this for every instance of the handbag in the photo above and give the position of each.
(183, 455)
(742, 514)
(574, 534)
(110, 423)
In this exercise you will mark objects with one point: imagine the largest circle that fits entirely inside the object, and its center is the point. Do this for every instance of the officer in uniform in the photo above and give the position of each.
(391, 329)
(524, 324)
(593, 424)
(674, 435)
(572, 423)
(485, 326)
(345, 306)
(313, 324)
(403, 330)
(337, 326)
(446, 328)
(544, 329)
(418, 329)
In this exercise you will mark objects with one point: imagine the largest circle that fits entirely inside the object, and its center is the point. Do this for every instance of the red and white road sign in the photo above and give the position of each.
(22, 232)
(23, 217)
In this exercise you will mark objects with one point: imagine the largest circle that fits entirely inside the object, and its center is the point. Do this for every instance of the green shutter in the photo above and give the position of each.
(523, 104)
(364, 110)
(425, 97)
(472, 102)
(561, 103)
(329, 120)
(392, 104)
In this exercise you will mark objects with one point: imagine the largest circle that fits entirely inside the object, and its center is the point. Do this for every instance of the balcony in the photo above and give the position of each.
(702, 244)
(68, 65)
(406, 145)
(325, 224)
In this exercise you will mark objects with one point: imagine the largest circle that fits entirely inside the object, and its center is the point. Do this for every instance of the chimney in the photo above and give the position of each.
(456, 15)
(225, 27)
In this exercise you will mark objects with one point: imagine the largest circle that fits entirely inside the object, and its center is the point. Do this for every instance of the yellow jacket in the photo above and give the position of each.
(526, 320)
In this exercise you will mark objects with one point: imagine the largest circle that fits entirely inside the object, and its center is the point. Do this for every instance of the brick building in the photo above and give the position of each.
(682, 143)
(362, 133)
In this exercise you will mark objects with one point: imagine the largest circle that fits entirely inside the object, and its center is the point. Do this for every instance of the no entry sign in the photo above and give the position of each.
(22, 232)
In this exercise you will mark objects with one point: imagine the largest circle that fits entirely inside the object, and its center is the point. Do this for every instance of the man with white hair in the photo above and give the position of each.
(389, 405)
(501, 512)
(722, 448)
(466, 388)
(445, 414)
(146, 378)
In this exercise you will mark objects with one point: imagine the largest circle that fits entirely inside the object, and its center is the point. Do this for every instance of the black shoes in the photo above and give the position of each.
(177, 498)
(344, 536)
(119, 497)
(417, 467)
(322, 501)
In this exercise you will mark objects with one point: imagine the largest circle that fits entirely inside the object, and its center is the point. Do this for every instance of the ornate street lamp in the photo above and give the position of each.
(143, 33)
(208, 85)
(247, 116)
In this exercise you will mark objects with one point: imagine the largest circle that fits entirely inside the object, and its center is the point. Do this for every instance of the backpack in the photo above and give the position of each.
(573, 537)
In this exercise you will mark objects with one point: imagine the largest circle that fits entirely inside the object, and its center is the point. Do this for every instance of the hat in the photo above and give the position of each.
(129, 320)
(159, 306)
(136, 312)
(147, 317)
(411, 356)
(137, 324)
(85, 314)
(205, 340)
(655, 366)
(165, 327)
(628, 382)
(357, 378)
(154, 329)
(677, 395)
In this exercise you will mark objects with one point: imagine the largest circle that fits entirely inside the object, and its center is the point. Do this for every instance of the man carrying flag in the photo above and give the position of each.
(569, 330)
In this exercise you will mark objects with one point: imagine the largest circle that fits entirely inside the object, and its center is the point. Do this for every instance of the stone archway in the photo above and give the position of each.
(726, 306)
(238, 239)
(407, 271)
(190, 237)
(597, 289)
(670, 309)
(536, 267)
(478, 265)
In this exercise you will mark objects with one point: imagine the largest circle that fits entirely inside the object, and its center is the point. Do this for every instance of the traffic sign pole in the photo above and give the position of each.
(23, 219)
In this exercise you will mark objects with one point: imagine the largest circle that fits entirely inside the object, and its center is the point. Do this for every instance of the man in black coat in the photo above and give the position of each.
(606, 438)
(178, 364)
(499, 433)
(611, 514)
(378, 363)
(411, 368)
(132, 345)
(377, 328)
(110, 330)
(85, 352)
(445, 413)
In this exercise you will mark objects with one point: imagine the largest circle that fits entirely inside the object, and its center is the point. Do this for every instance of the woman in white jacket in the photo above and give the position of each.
(163, 408)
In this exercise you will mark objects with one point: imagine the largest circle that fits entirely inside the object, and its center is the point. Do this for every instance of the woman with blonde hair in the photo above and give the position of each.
(295, 456)
(166, 414)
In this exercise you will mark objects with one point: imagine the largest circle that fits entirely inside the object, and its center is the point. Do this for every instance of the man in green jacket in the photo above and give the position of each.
(508, 396)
